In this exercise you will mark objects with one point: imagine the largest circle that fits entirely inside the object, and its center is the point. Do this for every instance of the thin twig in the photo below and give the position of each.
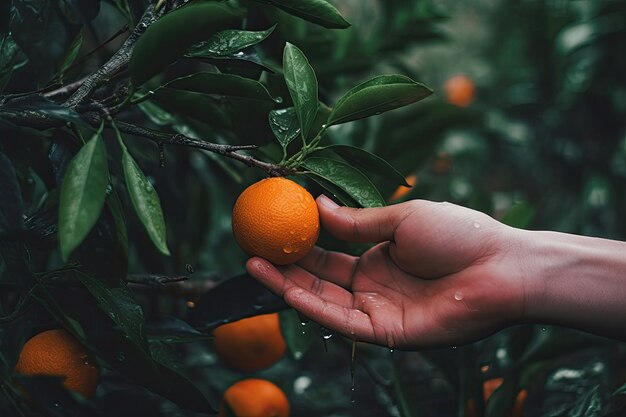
(230, 151)
(117, 61)
(155, 280)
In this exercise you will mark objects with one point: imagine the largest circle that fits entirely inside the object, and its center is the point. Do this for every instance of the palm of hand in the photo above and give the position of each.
(424, 286)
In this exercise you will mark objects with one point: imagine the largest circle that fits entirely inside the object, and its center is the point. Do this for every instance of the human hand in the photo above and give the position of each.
(440, 275)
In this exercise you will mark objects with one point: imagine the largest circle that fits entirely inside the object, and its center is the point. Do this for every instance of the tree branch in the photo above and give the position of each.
(117, 61)
(230, 151)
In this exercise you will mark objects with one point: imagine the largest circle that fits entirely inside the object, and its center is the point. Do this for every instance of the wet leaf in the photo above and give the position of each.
(299, 337)
(45, 107)
(302, 85)
(589, 405)
(221, 84)
(228, 42)
(376, 96)
(232, 300)
(349, 179)
(119, 304)
(285, 125)
(145, 200)
(82, 194)
(11, 59)
(368, 162)
(316, 11)
(167, 40)
(331, 190)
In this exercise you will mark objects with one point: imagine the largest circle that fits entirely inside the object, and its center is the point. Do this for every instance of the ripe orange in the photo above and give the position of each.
(58, 353)
(460, 90)
(489, 386)
(276, 219)
(255, 398)
(402, 190)
(250, 344)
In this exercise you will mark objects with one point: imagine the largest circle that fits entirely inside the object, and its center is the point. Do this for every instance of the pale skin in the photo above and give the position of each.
(443, 275)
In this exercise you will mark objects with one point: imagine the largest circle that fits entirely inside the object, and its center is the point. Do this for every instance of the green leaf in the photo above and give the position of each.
(11, 59)
(316, 11)
(285, 125)
(221, 84)
(195, 105)
(368, 162)
(145, 200)
(227, 42)
(620, 391)
(298, 337)
(156, 114)
(72, 53)
(167, 40)
(302, 85)
(349, 179)
(376, 96)
(82, 193)
(332, 190)
(589, 405)
(119, 305)
(234, 299)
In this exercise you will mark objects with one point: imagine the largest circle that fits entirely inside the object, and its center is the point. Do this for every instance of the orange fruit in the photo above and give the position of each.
(402, 190)
(58, 353)
(250, 344)
(460, 90)
(489, 386)
(276, 219)
(255, 398)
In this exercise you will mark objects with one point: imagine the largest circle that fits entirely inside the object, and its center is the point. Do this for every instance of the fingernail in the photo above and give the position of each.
(327, 202)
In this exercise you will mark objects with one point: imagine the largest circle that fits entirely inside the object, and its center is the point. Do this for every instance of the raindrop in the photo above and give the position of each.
(278, 99)
(458, 295)
(324, 126)
(476, 225)
(326, 334)
(303, 238)
(288, 249)
(390, 350)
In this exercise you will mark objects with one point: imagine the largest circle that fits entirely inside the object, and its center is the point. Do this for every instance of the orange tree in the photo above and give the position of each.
(127, 130)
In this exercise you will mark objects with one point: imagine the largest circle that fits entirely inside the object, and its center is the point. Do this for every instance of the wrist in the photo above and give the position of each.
(573, 281)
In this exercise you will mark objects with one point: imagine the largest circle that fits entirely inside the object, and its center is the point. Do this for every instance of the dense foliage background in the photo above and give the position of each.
(543, 146)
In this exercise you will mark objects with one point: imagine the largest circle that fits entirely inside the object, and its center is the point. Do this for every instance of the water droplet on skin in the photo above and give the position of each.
(458, 295)
(476, 225)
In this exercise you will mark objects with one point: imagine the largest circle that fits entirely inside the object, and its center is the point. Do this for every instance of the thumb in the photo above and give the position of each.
(363, 224)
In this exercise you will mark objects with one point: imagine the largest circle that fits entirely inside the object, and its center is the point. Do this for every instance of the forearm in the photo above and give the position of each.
(574, 281)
